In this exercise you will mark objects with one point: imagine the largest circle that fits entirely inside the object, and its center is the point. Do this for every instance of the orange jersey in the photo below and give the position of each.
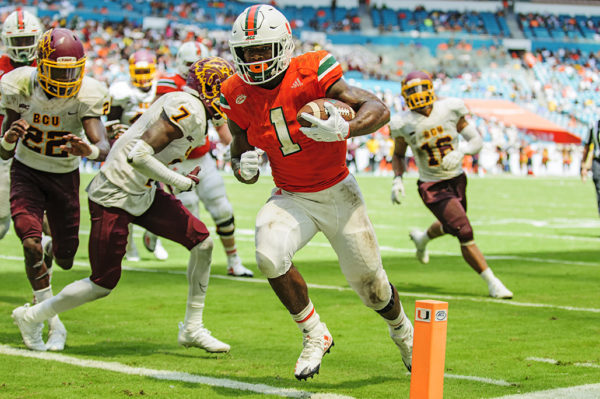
(175, 82)
(269, 119)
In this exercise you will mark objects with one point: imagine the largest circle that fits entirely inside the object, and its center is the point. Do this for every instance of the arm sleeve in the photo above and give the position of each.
(142, 159)
(473, 143)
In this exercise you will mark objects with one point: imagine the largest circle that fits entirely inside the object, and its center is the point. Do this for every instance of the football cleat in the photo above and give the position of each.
(316, 345)
(30, 332)
(235, 267)
(422, 253)
(498, 290)
(57, 336)
(402, 336)
(160, 252)
(200, 338)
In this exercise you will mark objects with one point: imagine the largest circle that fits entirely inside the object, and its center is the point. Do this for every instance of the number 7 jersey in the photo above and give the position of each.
(431, 137)
(50, 118)
(298, 163)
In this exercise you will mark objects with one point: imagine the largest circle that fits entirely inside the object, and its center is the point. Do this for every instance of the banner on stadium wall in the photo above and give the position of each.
(513, 114)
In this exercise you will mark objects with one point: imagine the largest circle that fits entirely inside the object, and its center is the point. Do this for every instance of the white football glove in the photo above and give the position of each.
(335, 128)
(452, 160)
(397, 190)
(249, 165)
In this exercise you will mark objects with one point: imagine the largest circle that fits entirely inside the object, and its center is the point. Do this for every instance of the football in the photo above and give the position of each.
(317, 108)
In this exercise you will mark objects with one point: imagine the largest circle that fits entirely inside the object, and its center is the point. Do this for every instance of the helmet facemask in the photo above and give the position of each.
(20, 33)
(418, 93)
(60, 63)
(61, 78)
(261, 25)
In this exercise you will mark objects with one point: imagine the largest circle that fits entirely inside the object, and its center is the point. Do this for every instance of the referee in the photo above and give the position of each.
(592, 143)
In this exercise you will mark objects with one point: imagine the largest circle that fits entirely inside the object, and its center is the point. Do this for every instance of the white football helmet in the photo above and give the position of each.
(20, 33)
(261, 25)
(188, 53)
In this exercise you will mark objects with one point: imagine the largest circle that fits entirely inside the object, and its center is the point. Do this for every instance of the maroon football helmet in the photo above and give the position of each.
(60, 62)
(204, 81)
(417, 90)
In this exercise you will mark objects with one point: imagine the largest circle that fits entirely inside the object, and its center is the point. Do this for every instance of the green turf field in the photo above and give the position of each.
(541, 237)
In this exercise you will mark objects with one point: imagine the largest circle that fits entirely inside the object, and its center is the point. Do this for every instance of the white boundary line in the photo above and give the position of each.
(168, 375)
(557, 362)
(590, 391)
(338, 288)
(483, 380)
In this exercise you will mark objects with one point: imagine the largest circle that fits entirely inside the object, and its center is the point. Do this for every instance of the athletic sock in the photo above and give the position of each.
(308, 319)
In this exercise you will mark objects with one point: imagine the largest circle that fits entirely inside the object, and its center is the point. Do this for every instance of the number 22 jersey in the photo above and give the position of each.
(50, 118)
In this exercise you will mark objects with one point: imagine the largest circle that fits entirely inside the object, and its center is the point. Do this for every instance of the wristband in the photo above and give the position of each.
(6, 145)
(95, 152)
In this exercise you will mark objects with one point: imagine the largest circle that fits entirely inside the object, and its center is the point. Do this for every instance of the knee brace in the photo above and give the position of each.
(220, 210)
(226, 228)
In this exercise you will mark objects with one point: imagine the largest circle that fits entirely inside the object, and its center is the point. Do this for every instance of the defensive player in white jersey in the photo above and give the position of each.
(47, 111)
(123, 193)
(211, 188)
(431, 128)
(130, 99)
(21, 31)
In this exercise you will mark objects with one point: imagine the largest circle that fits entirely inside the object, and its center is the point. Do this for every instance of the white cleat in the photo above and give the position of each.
(422, 253)
(316, 345)
(235, 267)
(201, 338)
(160, 252)
(30, 332)
(153, 244)
(57, 336)
(498, 290)
(403, 338)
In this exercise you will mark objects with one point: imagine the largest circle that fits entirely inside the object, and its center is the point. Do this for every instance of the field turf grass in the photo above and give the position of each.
(541, 237)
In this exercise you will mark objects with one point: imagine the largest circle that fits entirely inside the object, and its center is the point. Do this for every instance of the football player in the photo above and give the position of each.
(123, 193)
(48, 107)
(21, 31)
(314, 189)
(431, 127)
(130, 99)
(211, 189)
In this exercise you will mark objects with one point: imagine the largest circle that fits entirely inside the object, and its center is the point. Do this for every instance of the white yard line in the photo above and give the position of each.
(556, 362)
(339, 288)
(169, 375)
(591, 391)
(483, 380)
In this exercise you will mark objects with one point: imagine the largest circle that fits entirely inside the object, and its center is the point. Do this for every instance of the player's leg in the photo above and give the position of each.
(108, 239)
(131, 251)
(27, 202)
(4, 197)
(452, 212)
(352, 236)
(168, 218)
(282, 228)
(596, 178)
(211, 191)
